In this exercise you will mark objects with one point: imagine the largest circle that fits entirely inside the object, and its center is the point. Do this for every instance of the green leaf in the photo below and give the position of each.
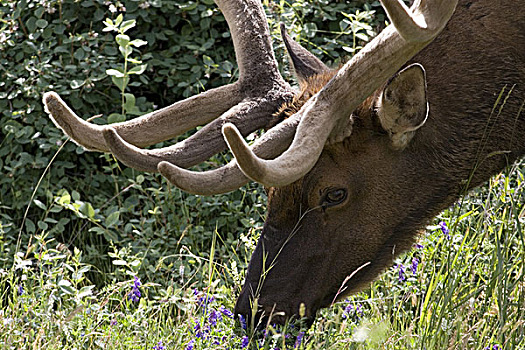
(59, 29)
(208, 61)
(41, 23)
(138, 69)
(126, 25)
(115, 73)
(66, 287)
(129, 103)
(87, 3)
(85, 291)
(191, 5)
(75, 83)
(135, 61)
(87, 210)
(40, 204)
(116, 118)
(39, 12)
(138, 42)
(110, 50)
(120, 263)
(310, 29)
(122, 40)
(79, 54)
(110, 236)
(125, 50)
(98, 15)
(31, 24)
(42, 225)
(119, 19)
(65, 199)
(30, 226)
(120, 82)
(64, 283)
(112, 219)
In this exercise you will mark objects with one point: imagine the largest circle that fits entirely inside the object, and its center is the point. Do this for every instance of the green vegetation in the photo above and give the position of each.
(96, 255)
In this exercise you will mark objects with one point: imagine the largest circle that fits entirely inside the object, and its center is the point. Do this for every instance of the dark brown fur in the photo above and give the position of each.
(392, 194)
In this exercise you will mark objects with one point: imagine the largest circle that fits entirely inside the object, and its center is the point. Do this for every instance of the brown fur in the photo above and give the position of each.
(308, 88)
(311, 248)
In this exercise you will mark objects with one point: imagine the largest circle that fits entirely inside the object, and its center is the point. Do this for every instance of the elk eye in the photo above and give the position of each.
(334, 197)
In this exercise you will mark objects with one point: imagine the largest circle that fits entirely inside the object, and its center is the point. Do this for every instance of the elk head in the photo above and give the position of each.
(330, 167)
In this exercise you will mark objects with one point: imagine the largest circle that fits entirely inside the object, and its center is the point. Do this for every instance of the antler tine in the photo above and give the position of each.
(367, 70)
(221, 180)
(150, 128)
(230, 177)
(414, 26)
(249, 116)
(259, 78)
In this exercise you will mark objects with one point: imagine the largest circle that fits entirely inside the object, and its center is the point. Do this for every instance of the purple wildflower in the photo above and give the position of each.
(203, 299)
(134, 295)
(20, 290)
(415, 263)
(359, 310)
(243, 321)
(419, 246)
(401, 271)
(214, 316)
(493, 347)
(198, 330)
(298, 340)
(355, 311)
(159, 346)
(444, 229)
(216, 340)
(245, 341)
(113, 322)
(226, 312)
(349, 309)
(190, 345)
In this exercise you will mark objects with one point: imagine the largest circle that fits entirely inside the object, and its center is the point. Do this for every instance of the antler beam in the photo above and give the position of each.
(357, 80)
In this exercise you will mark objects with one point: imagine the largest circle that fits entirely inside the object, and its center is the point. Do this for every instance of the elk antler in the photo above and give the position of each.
(230, 177)
(249, 103)
(411, 31)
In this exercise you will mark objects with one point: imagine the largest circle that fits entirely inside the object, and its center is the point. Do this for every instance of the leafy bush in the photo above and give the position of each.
(86, 199)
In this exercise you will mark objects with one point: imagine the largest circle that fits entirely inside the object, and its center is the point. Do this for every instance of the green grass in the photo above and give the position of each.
(468, 291)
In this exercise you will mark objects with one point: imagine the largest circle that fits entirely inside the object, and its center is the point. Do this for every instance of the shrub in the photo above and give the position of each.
(86, 199)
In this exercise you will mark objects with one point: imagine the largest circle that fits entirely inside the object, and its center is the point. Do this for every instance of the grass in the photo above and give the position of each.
(466, 292)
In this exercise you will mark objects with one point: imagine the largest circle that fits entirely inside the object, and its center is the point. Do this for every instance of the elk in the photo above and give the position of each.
(354, 170)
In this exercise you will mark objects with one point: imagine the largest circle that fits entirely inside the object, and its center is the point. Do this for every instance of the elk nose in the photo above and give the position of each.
(243, 307)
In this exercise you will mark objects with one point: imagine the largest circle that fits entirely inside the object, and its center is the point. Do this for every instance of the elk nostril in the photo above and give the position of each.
(242, 306)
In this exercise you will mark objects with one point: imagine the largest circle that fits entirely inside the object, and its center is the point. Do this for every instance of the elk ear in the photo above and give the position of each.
(304, 62)
(402, 106)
